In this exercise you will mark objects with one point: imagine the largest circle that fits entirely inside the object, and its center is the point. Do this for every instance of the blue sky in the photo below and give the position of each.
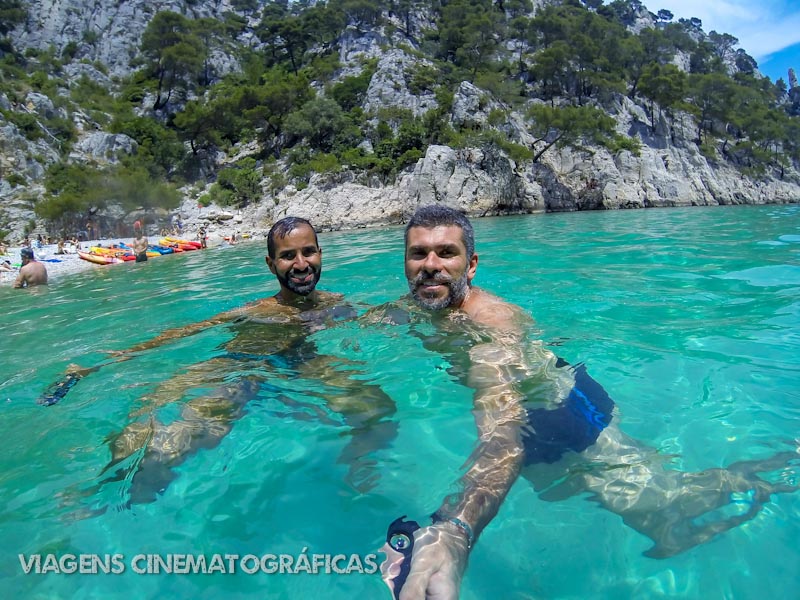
(768, 30)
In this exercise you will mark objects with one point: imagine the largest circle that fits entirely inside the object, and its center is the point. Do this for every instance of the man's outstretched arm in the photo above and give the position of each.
(185, 331)
(74, 373)
(441, 549)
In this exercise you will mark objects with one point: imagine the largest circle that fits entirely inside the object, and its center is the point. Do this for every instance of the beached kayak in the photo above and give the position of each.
(151, 253)
(183, 244)
(116, 252)
(100, 259)
(159, 250)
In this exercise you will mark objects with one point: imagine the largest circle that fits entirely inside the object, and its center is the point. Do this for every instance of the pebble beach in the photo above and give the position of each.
(63, 265)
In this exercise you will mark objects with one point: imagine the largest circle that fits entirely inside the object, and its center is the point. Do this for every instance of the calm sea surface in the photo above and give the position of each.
(690, 319)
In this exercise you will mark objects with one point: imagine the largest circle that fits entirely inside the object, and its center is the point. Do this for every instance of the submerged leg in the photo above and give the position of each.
(676, 510)
(681, 510)
(202, 424)
(696, 507)
(365, 408)
(369, 431)
(206, 420)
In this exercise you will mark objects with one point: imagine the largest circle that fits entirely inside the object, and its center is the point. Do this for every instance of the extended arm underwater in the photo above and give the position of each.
(58, 390)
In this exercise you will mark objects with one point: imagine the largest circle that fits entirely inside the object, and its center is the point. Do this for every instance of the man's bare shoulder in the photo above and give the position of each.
(490, 310)
(329, 297)
(34, 273)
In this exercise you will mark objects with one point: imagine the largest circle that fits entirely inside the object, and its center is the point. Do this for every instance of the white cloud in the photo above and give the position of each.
(762, 26)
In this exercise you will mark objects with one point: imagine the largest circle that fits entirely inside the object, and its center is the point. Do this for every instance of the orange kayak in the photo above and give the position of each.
(100, 259)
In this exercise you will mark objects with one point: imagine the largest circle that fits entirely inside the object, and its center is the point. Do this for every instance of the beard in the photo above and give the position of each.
(456, 290)
(301, 289)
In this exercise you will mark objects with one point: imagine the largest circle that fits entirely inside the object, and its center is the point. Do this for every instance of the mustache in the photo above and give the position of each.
(435, 277)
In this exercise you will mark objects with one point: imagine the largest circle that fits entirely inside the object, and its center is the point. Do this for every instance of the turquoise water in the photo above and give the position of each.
(690, 318)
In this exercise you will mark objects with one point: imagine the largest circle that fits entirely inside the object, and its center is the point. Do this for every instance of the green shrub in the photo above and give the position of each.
(323, 67)
(91, 95)
(421, 79)
(15, 179)
(618, 143)
(61, 128)
(243, 181)
(349, 93)
(358, 159)
(409, 157)
(516, 152)
(44, 84)
(90, 36)
(326, 163)
(444, 98)
(301, 171)
(276, 182)
(708, 150)
(27, 123)
(220, 196)
(69, 51)
(160, 151)
(12, 67)
(497, 117)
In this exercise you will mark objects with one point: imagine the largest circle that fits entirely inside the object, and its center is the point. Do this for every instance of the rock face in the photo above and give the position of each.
(106, 31)
(389, 85)
(482, 180)
(104, 147)
(471, 106)
(477, 182)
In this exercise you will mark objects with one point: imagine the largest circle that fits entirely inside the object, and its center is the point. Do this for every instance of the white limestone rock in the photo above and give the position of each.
(104, 147)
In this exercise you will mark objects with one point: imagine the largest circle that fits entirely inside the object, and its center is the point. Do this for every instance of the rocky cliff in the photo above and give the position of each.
(668, 171)
(108, 32)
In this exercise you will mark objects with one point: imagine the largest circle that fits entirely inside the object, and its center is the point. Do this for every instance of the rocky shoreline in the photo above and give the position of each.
(350, 207)
(665, 168)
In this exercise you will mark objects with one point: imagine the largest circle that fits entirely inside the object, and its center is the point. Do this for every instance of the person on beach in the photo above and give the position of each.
(177, 226)
(32, 272)
(139, 245)
(269, 334)
(203, 236)
(539, 417)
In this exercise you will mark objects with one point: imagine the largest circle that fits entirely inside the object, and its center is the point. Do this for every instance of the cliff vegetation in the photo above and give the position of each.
(372, 106)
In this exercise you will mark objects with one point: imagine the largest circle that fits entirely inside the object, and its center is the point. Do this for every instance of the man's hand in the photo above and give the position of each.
(437, 564)
(79, 371)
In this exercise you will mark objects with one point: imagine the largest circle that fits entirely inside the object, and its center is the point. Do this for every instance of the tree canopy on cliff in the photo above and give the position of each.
(565, 67)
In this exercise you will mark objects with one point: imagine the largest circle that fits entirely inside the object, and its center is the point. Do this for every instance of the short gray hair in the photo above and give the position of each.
(435, 215)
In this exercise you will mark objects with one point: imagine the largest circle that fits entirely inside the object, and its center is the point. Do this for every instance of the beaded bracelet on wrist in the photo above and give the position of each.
(464, 527)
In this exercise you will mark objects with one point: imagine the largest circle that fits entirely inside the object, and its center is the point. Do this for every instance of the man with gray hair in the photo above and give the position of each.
(540, 417)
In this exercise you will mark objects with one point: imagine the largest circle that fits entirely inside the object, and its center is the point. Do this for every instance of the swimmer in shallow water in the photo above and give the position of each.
(270, 335)
(538, 417)
(32, 272)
